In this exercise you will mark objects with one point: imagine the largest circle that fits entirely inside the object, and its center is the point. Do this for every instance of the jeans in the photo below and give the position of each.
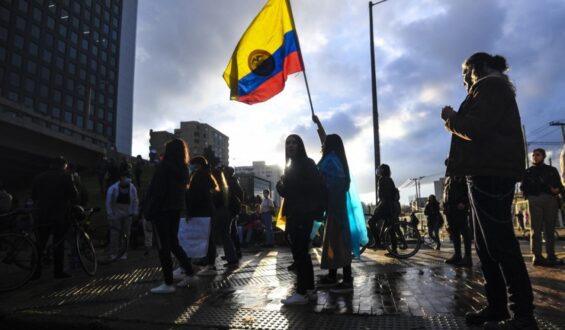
(497, 247)
(167, 228)
(121, 220)
(267, 219)
(299, 228)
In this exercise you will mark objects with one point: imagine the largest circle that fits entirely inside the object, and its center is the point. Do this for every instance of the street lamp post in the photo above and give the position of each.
(376, 140)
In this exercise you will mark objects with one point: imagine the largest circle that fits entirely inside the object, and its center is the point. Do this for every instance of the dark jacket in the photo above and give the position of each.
(52, 193)
(300, 187)
(199, 195)
(432, 212)
(487, 133)
(539, 179)
(386, 207)
(167, 190)
(455, 193)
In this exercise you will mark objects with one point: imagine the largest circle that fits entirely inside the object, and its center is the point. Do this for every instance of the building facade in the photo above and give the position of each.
(70, 64)
(265, 177)
(201, 135)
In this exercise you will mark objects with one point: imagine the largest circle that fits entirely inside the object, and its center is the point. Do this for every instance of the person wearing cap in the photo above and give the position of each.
(121, 205)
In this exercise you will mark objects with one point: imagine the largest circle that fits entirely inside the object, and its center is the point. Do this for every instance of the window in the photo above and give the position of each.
(28, 102)
(18, 41)
(68, 117)
(90, 124)
(80, 121)
(114, 35)
(69, 100)
(75, 22)
(106, 28)
(82, 58)
(58, 79)
(96, 22)
(22, 6)
(61, 46)
(46, 56)
(4, 15)
(76, 7)
(109, 131)
(110, 116)
(50, 22)
(84, 44)
(3, 34)
(73, 53)
(93, 65)
(71, 68)
(62, 31)
(20, 23)
(31, 67)
(59, 62)
(97, 8)
(43, 91)
(35, 31)
(100, 113)
(42, 107)
(16, 60)
(48, 38)
(56, 112)
(33, 49)
(80, 105)
(57, 96)
(45, 73)
(99, 128)
(94, 51)
(74, 37)
(70, 84)
(13, 96)
(29, 85)
(82, 74)
(37, 14)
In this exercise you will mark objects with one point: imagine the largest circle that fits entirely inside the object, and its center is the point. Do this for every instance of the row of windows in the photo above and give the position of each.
(66, 116)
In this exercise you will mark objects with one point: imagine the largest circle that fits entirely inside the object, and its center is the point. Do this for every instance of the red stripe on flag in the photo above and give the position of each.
(274, 85)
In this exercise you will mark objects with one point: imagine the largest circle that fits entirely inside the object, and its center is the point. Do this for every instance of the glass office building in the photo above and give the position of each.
(67, 66)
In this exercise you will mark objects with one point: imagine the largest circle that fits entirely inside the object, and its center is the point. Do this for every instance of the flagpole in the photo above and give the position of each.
(300, 55)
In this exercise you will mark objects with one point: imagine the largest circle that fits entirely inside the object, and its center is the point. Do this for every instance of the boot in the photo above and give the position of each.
(465, 262)
(454, 259)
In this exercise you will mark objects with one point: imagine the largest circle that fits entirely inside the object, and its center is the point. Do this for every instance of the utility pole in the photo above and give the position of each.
(376, 140)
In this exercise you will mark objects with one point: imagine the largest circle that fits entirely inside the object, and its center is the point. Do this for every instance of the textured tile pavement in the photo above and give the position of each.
(418, 293)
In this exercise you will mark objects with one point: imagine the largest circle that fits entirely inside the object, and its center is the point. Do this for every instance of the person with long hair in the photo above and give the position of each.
(298, 186)
(164, 202)
(487, 146)
(336, 251)
(386, 210)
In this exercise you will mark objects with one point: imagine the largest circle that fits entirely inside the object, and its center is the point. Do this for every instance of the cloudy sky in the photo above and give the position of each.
(183, 47)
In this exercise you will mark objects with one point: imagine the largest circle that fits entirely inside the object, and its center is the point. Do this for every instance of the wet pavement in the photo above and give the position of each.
(418, 293)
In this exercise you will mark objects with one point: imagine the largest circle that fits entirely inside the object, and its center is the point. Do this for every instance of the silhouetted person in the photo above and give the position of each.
(541, 185)
(236, 197)
(487, 146)
(434, 218)
(138, 170)
(52, 194)
(101, 170)
(456, 209)
(520, 218)
(385, 209)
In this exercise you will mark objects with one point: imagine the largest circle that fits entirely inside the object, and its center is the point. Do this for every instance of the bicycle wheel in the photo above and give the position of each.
(18, 259)
(86, 252)
(102, 237)
(402, 240)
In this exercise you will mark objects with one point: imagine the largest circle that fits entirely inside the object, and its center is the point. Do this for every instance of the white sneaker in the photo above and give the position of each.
(184, 282)
(208, 271)
(164, 288)
(295, 299)
(178, 274)
(312, 295)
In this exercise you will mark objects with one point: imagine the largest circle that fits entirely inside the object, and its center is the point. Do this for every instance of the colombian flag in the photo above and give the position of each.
(265, 55)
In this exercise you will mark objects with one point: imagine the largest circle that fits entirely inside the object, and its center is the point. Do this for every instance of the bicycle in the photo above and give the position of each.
(400, 239)
(102, 236)
(18, 250)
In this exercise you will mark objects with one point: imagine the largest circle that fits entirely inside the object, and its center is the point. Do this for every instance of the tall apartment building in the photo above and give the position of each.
(66, 75)
(200, 135)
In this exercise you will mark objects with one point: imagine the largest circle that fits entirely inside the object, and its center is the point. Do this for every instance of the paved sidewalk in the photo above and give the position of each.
(419, 293)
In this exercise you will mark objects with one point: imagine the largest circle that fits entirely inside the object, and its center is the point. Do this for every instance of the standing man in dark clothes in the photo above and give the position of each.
(52, 194)
(541, 185)
(456, 209)
(487, 146)
(235, 200)
(520, 218)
